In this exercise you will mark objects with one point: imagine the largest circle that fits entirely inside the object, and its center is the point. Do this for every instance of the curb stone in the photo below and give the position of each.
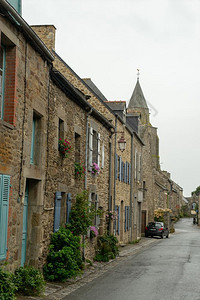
(57, 291)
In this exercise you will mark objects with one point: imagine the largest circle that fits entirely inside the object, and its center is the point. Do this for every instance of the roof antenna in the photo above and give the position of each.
(138, 74)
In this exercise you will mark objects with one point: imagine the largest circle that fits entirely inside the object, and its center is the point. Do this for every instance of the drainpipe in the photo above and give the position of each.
(110, 178)
(86, 147)
(115, 152)
(86, 162)
(131, 187)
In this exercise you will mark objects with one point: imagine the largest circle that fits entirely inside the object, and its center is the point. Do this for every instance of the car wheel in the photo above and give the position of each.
(162, 236)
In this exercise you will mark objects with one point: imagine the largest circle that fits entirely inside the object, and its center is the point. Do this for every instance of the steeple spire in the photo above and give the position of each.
(137, 99)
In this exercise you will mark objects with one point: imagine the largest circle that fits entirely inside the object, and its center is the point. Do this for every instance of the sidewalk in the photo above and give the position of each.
(59, 290)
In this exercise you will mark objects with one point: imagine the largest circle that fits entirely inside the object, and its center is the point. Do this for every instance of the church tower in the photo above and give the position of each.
(138, 106)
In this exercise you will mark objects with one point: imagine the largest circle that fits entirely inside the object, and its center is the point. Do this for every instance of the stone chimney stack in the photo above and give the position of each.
(47, 34)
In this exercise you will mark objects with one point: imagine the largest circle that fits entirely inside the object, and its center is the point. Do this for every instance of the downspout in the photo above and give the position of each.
(115, 152)
(110, 178)
(86, 162)
(131, 187)
(86, 147)
(23, 124)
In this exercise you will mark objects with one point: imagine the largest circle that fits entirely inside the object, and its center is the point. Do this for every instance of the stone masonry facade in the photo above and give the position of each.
(43, 101)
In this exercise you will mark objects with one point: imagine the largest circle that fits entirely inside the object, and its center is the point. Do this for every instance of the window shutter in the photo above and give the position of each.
(129, 173)
(4, 205)
(102, 156)
(90, 148)
(125, 218)
(57, 209)
(140, 166)
(98, 148)
(69, 198)
(32, 141)
(116, 166)
(118, 227)
(120, 168)
(97, 218)
(128, 218)
(135, 164)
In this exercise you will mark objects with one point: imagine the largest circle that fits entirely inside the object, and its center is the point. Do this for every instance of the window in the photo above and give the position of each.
(77, 147)
(33, 141)
(94, 151)
(8, 89)
(4, 205)
(2, 78)
(95, 203)
(61, 129)
(36, 140)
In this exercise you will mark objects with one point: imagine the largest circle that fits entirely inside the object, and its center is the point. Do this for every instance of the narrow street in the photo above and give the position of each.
(169, 269)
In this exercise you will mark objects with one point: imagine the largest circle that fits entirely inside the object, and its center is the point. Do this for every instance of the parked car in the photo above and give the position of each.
(156, 229)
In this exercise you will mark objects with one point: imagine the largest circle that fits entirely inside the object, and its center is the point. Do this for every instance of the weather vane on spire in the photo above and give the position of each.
(138, 74)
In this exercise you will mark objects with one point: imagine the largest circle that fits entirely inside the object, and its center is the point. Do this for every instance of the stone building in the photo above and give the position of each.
(39, 107)
(159, 190)
(124, 191)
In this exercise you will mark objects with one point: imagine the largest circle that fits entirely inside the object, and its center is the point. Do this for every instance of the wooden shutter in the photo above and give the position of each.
(120, 168)
(135, 164)
(57, 209)
(97, 218)
(116, 166)
(129, 173)
(102, 156)
(69, 198)
(98, 148)
(128, 217)
(4, 205)
(90, 148)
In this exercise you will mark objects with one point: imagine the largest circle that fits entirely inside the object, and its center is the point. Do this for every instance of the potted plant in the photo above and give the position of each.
(64, 147)
(79, 170)
(93, 232)
(95, 169)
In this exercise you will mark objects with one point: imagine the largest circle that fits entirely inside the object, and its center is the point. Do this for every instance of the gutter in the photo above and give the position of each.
(27, 29)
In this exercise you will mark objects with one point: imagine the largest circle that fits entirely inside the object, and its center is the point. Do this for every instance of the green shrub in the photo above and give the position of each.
(82, 214)
(106, 248)
(29, 281)
(64, 258)
(7, 286)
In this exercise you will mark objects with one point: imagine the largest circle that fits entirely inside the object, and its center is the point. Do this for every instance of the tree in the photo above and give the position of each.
(196, 192)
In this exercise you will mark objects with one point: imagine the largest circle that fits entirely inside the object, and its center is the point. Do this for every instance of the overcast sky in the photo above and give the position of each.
(108, 40)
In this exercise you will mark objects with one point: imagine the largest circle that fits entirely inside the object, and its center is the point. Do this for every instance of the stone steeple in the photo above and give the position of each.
(138, 105)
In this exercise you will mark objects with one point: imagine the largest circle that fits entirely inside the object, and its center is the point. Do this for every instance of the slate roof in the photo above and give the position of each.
(117, 105)
(137, 99)
(91, 84)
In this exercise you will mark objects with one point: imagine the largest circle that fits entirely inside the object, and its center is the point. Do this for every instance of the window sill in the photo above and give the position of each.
(6, 124)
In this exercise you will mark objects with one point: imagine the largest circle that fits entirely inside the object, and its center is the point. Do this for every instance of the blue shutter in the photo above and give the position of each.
(125, 222)
(4, 204)
(68, 206)
(126, 172)
(116, 219)
(116, 166)
(120, 168)
(58, 198)
(129, 173)
(118, 227)
(32, 141)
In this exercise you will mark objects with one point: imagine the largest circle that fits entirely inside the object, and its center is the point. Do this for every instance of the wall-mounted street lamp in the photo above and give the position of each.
(122, 142)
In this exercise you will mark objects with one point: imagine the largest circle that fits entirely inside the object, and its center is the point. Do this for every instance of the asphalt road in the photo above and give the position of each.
(169, 269)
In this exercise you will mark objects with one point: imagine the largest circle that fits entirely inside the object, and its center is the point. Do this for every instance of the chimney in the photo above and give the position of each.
(47, 34)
